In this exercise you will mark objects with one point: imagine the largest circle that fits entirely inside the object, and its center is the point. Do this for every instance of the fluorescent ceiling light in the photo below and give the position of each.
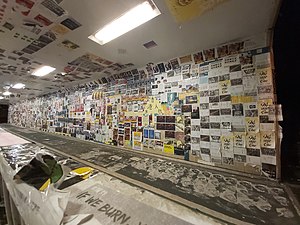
(43, 71)
(6, 93)
(1, 97)
(133, 18)
(18, 86)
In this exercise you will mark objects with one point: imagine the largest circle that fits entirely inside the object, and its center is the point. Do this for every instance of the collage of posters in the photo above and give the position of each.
(214, 106)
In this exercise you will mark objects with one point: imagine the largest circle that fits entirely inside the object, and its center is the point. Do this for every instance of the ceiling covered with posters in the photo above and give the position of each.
(34, 33)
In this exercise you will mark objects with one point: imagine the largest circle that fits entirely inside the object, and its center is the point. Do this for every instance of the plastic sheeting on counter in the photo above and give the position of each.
(85, 196)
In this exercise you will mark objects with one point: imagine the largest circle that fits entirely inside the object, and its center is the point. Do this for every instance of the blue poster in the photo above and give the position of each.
(146, 133)
(151, 134)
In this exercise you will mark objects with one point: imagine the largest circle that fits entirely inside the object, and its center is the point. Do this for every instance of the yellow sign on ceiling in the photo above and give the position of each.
(184, 10)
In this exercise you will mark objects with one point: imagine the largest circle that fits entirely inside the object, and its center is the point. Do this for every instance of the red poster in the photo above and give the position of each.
(43, 20)
(26, 3)
(139, 121)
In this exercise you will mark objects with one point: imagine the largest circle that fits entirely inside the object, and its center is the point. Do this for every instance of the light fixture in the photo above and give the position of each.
(18, 86)
(131, 19)
(6, 93)
(1, 97)
(63, 73)
(43, 71)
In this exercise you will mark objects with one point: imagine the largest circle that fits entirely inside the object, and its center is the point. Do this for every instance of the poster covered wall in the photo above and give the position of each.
(213, 106)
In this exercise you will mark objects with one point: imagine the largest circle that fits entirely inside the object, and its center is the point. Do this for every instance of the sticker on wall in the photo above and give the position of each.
(175, 64)
(198, 57)
(265, 76)
(69, 45)
(32, 26)
(185, 71)
(209, 54)
(263, 106)
(222, 51)
(253, 140)
(26, 3)
(269, 155)
(59, 29)
(253, 156)
(53, 7)
(149, 69)
(168, 148)
(137, 145)
(235, 48)
(43, 20)
(71, 23)
(23, 37)
(265, 92)
(246, 58)
(168, 66)
(224, 87)
(267, 139)
(227, 143)
(8, 26)
(185, 10)
(185, 59)
(252, 124)
(239, 139)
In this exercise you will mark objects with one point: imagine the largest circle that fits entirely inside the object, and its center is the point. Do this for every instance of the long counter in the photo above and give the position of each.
(90, 198)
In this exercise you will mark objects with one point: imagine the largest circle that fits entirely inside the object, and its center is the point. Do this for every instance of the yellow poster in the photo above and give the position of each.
(252, 124)
(59, 29)
(167, 110)
(242, 99)
(267, 139)
(184, 10)
(145, 121)
(137, 136)
(265, 76)
(227, 143)
(169, 149)
(253, 140)
(263, 106)
(187, 95)
(239, 139)
(224, 87)
(127, 144)
(153, 107)
(137, 145)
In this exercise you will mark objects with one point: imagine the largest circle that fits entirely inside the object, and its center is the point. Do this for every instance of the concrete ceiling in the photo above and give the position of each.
(26, 43)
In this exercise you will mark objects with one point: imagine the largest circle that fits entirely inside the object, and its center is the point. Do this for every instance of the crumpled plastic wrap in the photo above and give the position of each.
(35, 207)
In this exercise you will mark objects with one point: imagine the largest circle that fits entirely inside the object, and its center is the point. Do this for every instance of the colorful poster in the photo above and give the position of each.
(151, 134)
(169, 149)
(146, 133)
(187, 10)
(198, 57)
(137, 136)
(137, 145)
